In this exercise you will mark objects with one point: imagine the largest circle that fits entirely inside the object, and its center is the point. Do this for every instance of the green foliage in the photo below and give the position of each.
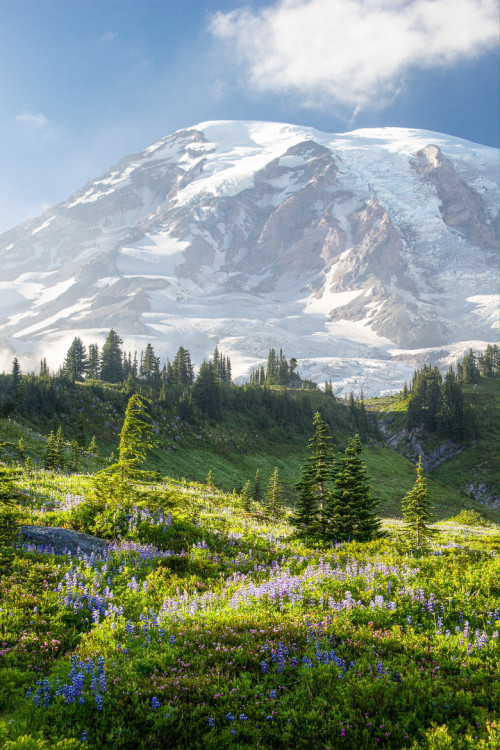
(351, 511)
(416, 511)
(470, 518)
(314, 487)
(8, 516)
(246, 498)
(273, 501)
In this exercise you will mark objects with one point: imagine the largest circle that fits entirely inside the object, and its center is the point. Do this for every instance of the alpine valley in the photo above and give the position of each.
(362, 254)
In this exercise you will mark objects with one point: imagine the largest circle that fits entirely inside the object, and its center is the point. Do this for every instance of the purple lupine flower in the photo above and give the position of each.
(155, 703)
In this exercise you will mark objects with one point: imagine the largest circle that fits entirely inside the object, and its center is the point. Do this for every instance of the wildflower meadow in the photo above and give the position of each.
(206, 626)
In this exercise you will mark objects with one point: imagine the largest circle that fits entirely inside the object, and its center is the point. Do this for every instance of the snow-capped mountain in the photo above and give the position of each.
(360, 253)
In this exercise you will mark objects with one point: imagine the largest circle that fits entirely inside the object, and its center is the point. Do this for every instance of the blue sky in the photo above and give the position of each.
(85, 82)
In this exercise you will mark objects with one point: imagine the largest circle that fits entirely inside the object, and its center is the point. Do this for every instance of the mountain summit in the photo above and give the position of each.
(360, 253)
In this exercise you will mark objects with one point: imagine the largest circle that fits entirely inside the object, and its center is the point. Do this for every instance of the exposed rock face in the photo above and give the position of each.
(64, 540)
(353, 252)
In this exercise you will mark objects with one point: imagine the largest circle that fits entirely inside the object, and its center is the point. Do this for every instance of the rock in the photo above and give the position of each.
(64, 540)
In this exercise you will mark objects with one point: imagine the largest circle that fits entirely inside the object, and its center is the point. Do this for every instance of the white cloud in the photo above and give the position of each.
(354, 52)
(34, 120)
(108, 36)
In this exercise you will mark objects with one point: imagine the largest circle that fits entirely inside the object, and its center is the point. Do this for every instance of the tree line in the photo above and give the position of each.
(438, 403)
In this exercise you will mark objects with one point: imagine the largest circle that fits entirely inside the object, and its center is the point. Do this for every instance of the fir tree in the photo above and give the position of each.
(209, 481)
(122, 481)
(351, 511)
(93, 447)
(75, 363)
(246, 498)
(93, 362)
(314, 486)
(50, 457)
(8, 517)
(416, 511)
(257, 490)
(111, 365)
(21, 449)
(273, 500)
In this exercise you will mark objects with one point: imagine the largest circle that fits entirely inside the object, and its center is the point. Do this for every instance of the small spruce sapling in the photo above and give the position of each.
(417, 511)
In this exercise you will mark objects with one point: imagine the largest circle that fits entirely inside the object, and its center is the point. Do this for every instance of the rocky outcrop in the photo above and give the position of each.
(63, 541)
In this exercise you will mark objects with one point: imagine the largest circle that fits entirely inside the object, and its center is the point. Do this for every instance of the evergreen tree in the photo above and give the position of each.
(351, 511)
(416, 511)
(75, 363)
(44, 370)
(257, 490)
(150, 366)
(93, 362)
(273, 501)
(314, 486)
(21, 449)
(206, 391)
(183, 373)
(16, 374)
(122, 482)
(8, 517)
(246, 498)
(59, 458)
(209, 481)
(50, 459)
(111, 366)
(93, 447)
(74, 456)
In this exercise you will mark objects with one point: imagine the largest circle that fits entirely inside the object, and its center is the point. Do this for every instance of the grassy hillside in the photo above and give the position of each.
(244, 440)
(211, 628)
(475, 469)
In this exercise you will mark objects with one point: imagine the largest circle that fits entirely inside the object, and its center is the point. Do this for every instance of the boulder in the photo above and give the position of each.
(64, 540)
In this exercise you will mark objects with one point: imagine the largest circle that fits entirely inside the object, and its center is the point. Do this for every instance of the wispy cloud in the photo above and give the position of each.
(109, 36)
(33, 120)
(353, 52)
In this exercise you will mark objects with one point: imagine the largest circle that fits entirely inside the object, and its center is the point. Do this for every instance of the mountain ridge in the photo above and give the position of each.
(353, 251)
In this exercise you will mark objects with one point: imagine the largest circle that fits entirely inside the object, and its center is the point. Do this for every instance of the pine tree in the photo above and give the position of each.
(111, 365)
(59, 457)
(8, 518)
(209, 481)
(257, 490)
(93, 362)
(93, 447)
(74, 456)
(351, 511)
(206, 391)
(416, 511)
(246, 498)
(21, 449)
(75, 363)
(273, 502)
(314, 486)
(122, 481)
(50, 457)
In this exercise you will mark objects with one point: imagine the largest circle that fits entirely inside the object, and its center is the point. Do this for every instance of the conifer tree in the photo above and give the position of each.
(121, 481)
(257, 490)
(49, 457)
(416, 511)
(75, 363)
(209, 481)
(8, 517)
(21, 449)
(111, 366)
(351, 511)
(246, 498)
(93, 448)
(273, 502)
(59, 449)
(93, 362)
(315, 482)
